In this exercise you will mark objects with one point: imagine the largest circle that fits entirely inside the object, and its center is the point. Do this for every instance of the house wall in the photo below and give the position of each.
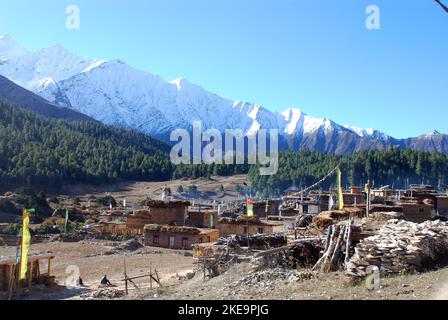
(309, 208)
(417, 212)
(260, 208)
(164, 239)
(112, 228)
(202, 219)
(349, 199)
(442, 205)
(170, 216)
(226, 229)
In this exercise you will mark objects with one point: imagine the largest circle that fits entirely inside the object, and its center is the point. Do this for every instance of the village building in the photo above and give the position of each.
(202, 217)
(293, 206)
(386, 193)
(265, 208)
(157, 212)
(420, 193)
(113, 228)
(291, 191)
(353, 199)
(245, 225)
(177, 237)
(417, 212)
(442, 205)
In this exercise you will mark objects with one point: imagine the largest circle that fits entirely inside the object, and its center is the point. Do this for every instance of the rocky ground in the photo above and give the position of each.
(241, 283)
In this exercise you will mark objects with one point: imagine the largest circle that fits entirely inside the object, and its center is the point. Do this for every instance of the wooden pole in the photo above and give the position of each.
(158, 278)
(49, 266)
(125, 276)
(30, 274)
(12, 269)
(150, 275)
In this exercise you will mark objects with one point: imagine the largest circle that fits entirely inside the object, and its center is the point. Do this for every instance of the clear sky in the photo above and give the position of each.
(313, 54)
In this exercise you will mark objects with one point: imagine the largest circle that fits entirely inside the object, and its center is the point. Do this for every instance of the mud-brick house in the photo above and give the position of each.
(157, 212)
(202, 217)
(265, 208)
(297, 207)
(177, 237)
(244, 225)
(417, 212)
(112, 228)
(442, 205)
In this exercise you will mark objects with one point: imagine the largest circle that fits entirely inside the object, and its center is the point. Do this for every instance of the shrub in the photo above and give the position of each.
(12, 229)
(47, 227)
(8, 206)
(28, 199)
(72, 226)
(192, 190)
(106, 201)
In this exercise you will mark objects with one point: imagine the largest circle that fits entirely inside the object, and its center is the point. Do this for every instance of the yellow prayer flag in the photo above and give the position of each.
(340, 195)
(26, 238)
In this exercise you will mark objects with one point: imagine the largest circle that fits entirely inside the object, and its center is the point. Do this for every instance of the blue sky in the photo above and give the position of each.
(313, 54)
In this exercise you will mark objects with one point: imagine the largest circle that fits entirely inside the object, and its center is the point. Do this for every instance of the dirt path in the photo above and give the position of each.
(442, 293)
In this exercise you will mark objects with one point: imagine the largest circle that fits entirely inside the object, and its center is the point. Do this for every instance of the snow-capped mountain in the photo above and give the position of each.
(117, 94)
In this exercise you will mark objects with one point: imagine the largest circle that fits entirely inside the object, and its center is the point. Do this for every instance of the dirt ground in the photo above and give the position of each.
(94, 259)
(135, 191)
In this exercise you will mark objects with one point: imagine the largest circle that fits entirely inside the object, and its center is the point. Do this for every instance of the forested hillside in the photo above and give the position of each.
(36, 150)
(396, 168)
(45, 152)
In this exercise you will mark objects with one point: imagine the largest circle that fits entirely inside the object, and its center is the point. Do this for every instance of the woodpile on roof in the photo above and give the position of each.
(166, 204)
(256, 242)
(401, 246)
(327, 218)
(172, 229)
(241, 219)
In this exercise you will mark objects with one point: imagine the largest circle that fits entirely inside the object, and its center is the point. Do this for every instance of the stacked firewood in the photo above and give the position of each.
(258, 242)
(166, 204)
(337, 247)
(303, 253)
(401, 246)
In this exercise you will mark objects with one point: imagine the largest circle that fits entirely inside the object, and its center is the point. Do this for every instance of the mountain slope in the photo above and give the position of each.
(16, 95)
(37, 150)
(117, 94)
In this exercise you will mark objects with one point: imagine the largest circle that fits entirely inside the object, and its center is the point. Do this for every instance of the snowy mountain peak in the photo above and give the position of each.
(370, 134)
(94, 65)
(292, 113)
(117, 94)
(9, 48)
(432, 133)
(181, 83)
(30, 69)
